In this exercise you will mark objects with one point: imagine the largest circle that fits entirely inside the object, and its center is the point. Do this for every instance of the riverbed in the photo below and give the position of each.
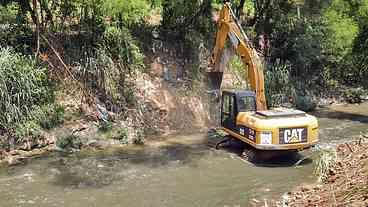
(180, 170)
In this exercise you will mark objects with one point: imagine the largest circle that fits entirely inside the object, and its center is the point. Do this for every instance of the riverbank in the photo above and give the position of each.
(345, 182)
(90, 134)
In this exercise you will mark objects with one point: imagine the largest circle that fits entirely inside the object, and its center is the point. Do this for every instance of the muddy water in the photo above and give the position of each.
(178, 171)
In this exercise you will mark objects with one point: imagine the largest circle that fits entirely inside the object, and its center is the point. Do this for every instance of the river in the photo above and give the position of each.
(175, 171)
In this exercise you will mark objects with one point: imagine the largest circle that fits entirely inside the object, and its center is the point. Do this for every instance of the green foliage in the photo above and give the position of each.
(178, 17)
(8, 13)
(122, 135)
(118, 56)
(12, 31)
(122, 47)
(139, 138)
(240, 71)
(188, 25)
(298, 42)
(127, 12)
(49, 116)
(177, 13)
(342, 29)
(360, 56)
(23, 85)
(278, 84)
(104, 126)
(69, 141)
(353, 95)
(27, 130)
(40, 117)
(305, 103)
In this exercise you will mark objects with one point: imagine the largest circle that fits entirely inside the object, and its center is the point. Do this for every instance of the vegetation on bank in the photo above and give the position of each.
(26, 101)
(311, 49)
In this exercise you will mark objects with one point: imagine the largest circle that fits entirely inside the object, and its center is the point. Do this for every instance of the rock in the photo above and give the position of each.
(97, 144)
(14, 152)
(58, 149)
(305, 189)
(12, 160)
(317, 187)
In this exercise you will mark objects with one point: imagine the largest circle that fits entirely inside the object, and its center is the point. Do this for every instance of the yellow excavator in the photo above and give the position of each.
(244, 113)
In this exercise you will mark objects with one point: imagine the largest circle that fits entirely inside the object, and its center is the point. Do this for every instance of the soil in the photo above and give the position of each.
(346, 183)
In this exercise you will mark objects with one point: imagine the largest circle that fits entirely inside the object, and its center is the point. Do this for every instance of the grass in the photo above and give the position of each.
(122, 136)
(23, 85)
(139, 138)
(69, 141)
(325, 161)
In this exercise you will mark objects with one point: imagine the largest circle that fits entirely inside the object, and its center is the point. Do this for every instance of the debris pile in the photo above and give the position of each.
(346, 183)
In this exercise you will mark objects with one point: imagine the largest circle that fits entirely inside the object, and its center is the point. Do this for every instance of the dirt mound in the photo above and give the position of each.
(346, 184)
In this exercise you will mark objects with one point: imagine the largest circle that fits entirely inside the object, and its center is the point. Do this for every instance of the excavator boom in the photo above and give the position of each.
(229, 28)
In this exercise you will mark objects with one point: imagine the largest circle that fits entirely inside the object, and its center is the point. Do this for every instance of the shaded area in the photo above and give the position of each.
(214, 80)
(261, 158)
(102, 169)
(341, 115)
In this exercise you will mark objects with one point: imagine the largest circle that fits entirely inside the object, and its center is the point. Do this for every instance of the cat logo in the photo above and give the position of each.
(293, 135)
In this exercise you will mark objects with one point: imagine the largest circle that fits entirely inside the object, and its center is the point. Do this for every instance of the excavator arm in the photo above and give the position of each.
(229, 28)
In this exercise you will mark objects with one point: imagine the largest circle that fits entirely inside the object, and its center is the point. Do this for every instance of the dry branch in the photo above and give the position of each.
(58, 56)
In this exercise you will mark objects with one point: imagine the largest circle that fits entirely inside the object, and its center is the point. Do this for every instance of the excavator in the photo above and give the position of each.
(244, 113)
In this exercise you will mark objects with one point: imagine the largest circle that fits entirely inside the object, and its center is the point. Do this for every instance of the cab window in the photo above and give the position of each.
(227, 107)
(247, 103)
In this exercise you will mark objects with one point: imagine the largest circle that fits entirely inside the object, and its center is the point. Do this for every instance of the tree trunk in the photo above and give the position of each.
(239, 9)
(34, 3)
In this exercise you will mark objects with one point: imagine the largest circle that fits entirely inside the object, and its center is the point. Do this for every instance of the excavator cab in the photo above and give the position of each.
(233, 102)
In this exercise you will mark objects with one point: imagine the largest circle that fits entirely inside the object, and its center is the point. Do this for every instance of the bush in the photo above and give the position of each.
(48, 116)
(360, 52)
(305, 103)
(13, 32)
(353, 95)
(28, 130)
(278, 84)
(123, 136)
(104, 126)
(23, 85)
(106, 71)
(139, 138)
(127, 11)
(41, 117)
(69, 141)
(122, 47)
